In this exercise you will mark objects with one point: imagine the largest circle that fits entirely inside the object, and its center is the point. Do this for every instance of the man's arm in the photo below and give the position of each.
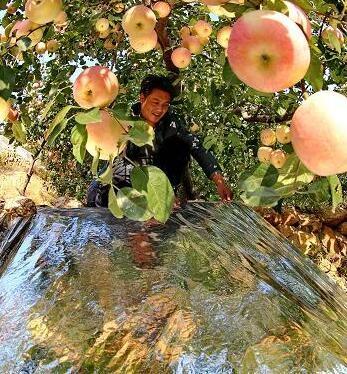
(208, 163)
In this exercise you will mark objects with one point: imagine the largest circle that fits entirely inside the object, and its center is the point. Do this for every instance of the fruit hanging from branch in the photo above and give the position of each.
(268, 51)
(319, 133)
(96, 86)
(104, 136)
(43, 11)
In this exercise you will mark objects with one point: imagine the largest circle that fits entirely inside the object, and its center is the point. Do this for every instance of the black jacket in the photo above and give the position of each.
(173, 146)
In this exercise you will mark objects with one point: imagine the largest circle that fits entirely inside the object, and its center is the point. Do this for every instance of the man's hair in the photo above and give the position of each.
(159, 82)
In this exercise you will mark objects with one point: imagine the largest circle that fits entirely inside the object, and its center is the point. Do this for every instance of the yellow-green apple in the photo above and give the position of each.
(104, 136)
(102, 24)
(52, 45)
(4, 109)
(268, 51)
(298, 16)
(145, 42)
(268, 136)
(223, 36)
(181, 57)
(61, 18)
(202, 28)
(264, 153)
(104, 34)
(193, 44)
(40, 48)
(162, 8)
(43, 11)
(138, 20)
(319, 133)
(283, 134)
(96, 86)
(184, 32)
(278, 158)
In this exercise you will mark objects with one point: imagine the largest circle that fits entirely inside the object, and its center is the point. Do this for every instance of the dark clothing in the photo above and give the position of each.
(173, 146)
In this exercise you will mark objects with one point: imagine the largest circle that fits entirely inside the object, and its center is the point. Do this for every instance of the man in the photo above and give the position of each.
(173, 145)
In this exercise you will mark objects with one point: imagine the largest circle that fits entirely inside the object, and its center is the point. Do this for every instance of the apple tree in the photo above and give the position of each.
(255, 80)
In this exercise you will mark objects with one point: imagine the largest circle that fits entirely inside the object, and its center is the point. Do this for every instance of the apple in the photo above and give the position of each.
(105, 136)
(203, 29)
(4, 109)
(52, 45)
(104, 34)
(268, 136)
(61, 18)
(40, 48)
(138, 20)
(13, 115)
(223, 36)
(144, 43)
(162, 8)
(43, 11)
(102, 25)
(298, 16)
(278, 158)
(184, 32)
(193, 44)
(108, 44)
(268, 51)
(24, 28)
(319, 133)
(96, 86)
(264, 154)
(181, 57)
(11, 9)
(283, 134)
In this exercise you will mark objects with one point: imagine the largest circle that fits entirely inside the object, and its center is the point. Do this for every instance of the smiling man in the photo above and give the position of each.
(173, 145)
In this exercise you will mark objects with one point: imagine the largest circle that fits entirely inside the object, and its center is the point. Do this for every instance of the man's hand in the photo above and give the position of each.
(223, 189)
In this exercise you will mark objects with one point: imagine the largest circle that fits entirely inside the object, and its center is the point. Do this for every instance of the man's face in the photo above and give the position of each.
(155, 105)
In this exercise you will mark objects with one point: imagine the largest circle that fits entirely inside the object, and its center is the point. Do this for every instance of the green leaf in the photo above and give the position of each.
(106, 176)
(141, 134)
(253, 92)
(95, 162)
(319, 190)
(113, 204)
(47, 109)
(292, 176)
(288, 148)
(304, 5)
(228, 75)
(24, 43)
(209, 141)
(276, 5)
(262, 196)
(133, 203)
(262, 175)
(57, 120)
(79, 138)
(7, 81)
(56, 131)
(333, 42)
(88, 117)
(314, 74)
(121, 112)
(235, 8)
(155, 183)
(19, 131)
(335, 190)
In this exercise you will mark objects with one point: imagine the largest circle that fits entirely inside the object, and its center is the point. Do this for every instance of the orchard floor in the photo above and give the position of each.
(321, 236)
